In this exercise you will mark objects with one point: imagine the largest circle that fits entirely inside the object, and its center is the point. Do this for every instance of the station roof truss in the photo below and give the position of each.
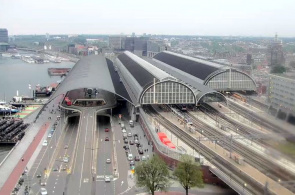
(147, 84)
(216, 76)
(92, 72)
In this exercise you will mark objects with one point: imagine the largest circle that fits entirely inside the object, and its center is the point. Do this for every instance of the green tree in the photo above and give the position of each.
(189, 173)
(278, 69)
(153, 175)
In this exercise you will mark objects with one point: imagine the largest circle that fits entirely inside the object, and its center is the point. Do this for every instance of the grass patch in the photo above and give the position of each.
(287, 148)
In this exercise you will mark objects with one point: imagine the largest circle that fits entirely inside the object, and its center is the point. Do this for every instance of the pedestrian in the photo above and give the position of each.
(23, 159)
(144, 135)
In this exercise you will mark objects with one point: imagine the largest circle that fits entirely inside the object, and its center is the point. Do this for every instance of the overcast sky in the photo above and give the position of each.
(182, 17)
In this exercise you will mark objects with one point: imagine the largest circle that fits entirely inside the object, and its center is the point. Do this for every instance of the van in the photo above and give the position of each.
(130, 157)
(131, 123)
(124, 135)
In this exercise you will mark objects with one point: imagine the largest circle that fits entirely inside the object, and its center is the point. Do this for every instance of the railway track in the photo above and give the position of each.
(254, 159)
(223, 165)
(259, 121)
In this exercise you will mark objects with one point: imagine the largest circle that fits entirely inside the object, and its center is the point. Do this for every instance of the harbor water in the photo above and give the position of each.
(16, 74)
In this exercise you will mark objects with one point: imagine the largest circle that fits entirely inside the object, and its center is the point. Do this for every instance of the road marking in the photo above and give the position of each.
(82, 166)
(122, 183)
(86, 180)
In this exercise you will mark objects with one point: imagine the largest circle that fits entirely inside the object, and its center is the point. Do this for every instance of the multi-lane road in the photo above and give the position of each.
(75, 159)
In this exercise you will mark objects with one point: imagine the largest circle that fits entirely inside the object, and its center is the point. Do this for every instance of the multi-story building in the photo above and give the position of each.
(281, 95)
(154, 47)
(276, 53)
(3, 35)
(115, 42)
(3, 40)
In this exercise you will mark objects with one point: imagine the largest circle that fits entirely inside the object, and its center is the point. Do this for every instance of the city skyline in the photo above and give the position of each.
(226, 18)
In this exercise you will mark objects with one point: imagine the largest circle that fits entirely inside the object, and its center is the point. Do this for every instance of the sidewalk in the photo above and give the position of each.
(20, 163)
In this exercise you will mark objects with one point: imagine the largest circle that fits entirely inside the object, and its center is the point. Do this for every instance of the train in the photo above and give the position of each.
(68, 101)
(239, 97)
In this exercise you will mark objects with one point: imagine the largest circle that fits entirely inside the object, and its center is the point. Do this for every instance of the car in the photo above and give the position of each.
(106, 139)
(45, 143)
(107, 178)
(124, 135)
(124, 131)
(52, 130)
(136, 158)
(126, 141)
(126, 147)
(65, 159)
(108, 161)
(131, 142)
(129, 134)
(106, 130)
(130, 156)
(55, 168)
(143, 158)
(42, 182)
(140, 150)
(131, 123)
(49, 135)
(43, 191)
(39, 175)
(136, 141)
(131, 163)
(138, 144)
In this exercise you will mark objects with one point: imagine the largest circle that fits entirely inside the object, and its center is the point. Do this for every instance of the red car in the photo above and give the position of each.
(107, 139)
(106, 130)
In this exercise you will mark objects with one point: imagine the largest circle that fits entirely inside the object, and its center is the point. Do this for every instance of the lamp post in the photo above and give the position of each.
(244, 186)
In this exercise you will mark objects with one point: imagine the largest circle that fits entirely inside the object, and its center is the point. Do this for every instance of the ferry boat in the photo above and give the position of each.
(28, 59)
(6, 109)
(8, 55)
(2, 102)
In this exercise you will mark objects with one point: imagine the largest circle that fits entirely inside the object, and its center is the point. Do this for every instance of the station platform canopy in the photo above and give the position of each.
(147, 84)
(216, 76)
(95, 72)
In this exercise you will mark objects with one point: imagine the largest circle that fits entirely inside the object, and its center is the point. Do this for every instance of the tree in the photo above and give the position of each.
(153, 175)
(188, 173)
(278, 69)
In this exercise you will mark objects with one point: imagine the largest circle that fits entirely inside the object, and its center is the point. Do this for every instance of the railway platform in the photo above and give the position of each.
(245, 168)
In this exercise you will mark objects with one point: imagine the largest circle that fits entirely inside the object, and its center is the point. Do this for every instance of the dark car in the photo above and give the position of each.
(107, 139)
(138, 144)
(137, 158)
(135, 135)
(126, 147)
(131, 142)
(39, 175)
(126, 141)
(140, 150)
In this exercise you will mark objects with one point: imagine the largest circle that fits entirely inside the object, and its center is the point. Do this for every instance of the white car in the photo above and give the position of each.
(49, 135)
(107, 178)
(143, 158)
(43, 191)
(108, 161)
(66, 159)
(129, 134)
(45, 143)
(124, 131)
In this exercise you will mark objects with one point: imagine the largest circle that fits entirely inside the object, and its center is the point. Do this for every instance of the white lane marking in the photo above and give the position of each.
(122, 183)
(83, 153)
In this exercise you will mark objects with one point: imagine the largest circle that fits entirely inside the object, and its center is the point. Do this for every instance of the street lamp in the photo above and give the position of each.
(244, 186)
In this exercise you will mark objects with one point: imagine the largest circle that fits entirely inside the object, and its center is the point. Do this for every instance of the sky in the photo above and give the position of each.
(181, 17)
